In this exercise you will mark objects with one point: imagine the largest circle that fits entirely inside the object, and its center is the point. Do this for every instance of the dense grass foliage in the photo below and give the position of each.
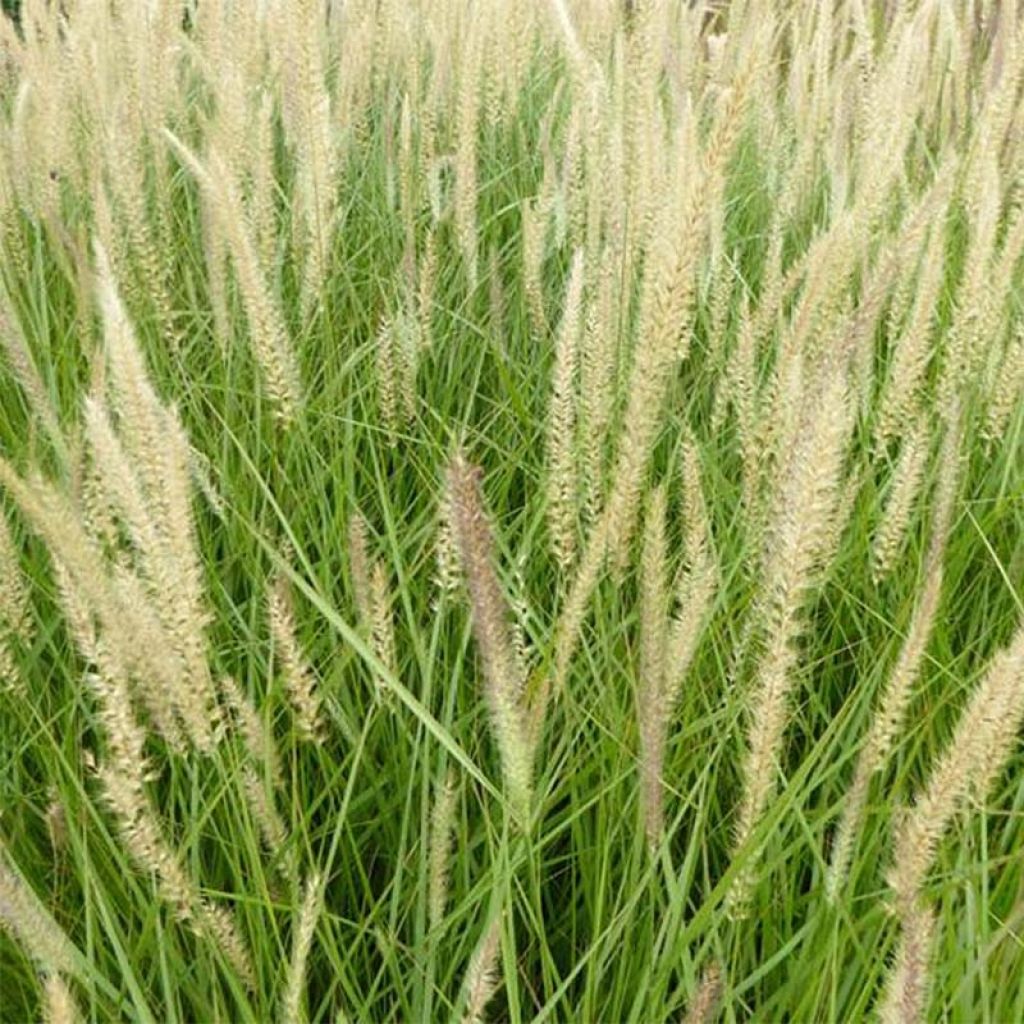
(512, 511)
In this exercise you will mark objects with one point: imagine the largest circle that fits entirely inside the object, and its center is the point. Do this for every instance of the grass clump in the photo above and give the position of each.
(511, 512)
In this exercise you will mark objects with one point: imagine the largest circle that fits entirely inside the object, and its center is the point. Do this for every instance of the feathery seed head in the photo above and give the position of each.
(300, 683)
(302, 941)
(22, 912)
(503, 684)
(481, 980)
(442, 822)
(563, 483)
(59, 1006)
(705, 1000)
